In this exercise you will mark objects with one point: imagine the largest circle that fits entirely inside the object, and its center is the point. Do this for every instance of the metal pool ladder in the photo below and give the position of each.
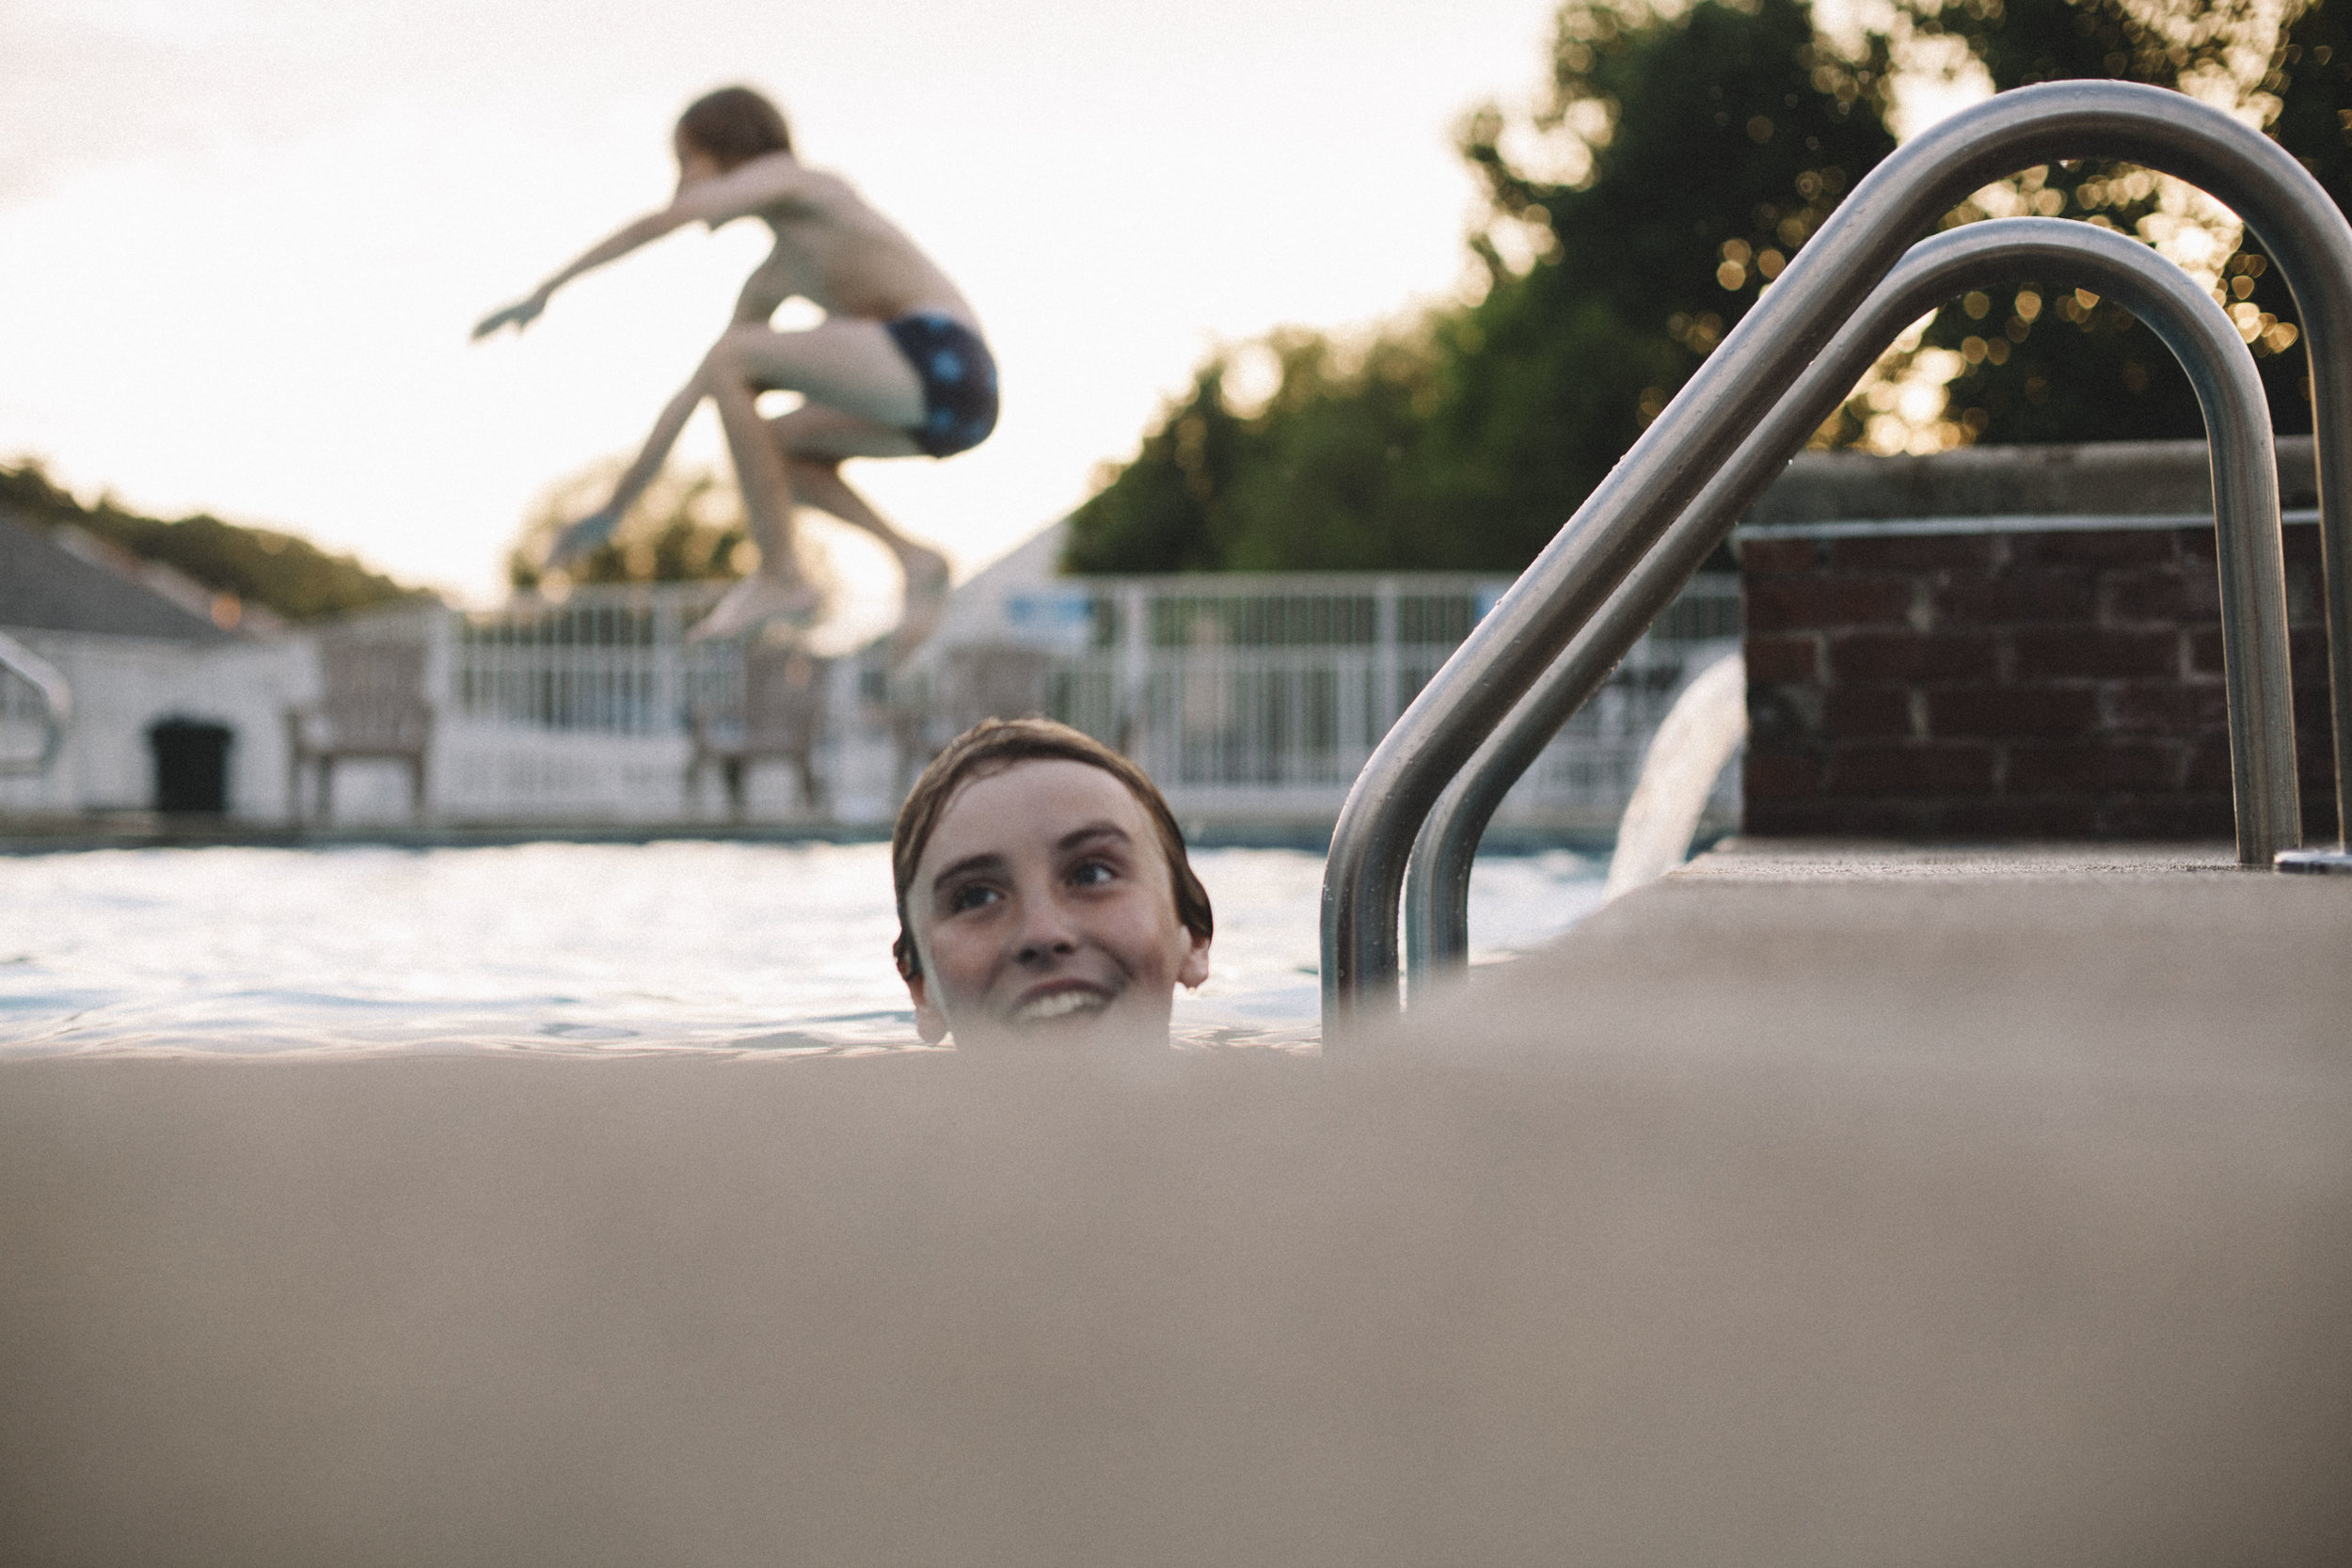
(1437, 774)
(57, 706)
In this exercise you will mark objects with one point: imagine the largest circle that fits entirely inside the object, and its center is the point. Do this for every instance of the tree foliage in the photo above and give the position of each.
(688, 526)
(2048, 364)
(281, 572)
(1675, 164)
(1710, 142)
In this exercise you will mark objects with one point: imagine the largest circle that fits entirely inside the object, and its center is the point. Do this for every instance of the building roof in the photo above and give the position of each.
(46, 587)
(976, 609)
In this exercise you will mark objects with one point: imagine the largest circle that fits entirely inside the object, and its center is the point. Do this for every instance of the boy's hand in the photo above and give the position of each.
(582, 537)
(520, 314)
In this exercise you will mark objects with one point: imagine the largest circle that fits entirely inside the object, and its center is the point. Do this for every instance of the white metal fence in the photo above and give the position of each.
(1262, 697)
(606, 660)
(1252, 699)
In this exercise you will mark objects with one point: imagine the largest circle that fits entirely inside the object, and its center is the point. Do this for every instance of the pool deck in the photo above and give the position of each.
(1823, 1204)
(2145, 959)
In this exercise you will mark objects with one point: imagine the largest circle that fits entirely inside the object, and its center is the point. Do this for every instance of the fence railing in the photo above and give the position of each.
(1247, 697)
(612, 661)
(1265, 695)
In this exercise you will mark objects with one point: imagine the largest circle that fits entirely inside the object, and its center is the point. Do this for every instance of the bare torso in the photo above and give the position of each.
(840, 254)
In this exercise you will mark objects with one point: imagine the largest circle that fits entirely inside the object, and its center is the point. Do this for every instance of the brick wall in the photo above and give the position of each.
(2037, 684)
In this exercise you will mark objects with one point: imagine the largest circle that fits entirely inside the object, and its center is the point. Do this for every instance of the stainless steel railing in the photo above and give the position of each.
(1664, 473)
(2246, 510)
(55, 699)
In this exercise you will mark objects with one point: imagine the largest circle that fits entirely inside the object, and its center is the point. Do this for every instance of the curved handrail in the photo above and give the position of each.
(56, 699)
(2246, 507)
(1665, 468)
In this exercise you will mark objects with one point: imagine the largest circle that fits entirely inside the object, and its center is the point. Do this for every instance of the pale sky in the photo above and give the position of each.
(241, 240)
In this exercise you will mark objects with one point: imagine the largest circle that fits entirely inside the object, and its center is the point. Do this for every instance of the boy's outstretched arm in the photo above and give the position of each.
(761, 184)
(614, 247)
(594, 529)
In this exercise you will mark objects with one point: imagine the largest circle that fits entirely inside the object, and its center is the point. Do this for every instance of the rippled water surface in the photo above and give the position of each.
(568, 948)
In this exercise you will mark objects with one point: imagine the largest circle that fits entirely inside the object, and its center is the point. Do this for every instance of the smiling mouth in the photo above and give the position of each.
(1060, 1004)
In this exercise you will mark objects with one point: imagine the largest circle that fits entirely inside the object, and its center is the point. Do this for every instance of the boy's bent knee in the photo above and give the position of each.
(729, 356)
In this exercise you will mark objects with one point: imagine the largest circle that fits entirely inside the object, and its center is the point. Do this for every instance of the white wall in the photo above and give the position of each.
(123, 685)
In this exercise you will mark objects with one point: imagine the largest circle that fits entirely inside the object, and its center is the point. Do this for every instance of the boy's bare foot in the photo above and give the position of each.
(755, 601)
(925, 600)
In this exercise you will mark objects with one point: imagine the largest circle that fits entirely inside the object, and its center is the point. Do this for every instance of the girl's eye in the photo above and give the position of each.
(972, 895)
(1093, 873)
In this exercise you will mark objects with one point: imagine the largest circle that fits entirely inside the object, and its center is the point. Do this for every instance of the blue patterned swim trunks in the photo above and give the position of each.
(958, 378)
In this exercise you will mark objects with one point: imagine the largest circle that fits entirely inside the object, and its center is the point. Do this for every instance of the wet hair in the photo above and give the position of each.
(734, 125)
(993, 745)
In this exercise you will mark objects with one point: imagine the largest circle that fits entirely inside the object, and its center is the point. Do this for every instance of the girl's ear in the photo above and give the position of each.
(929, 1022)
(1195, 968)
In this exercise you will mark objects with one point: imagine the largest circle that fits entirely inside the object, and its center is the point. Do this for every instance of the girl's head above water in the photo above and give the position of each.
(732, 126)
(1043, 892)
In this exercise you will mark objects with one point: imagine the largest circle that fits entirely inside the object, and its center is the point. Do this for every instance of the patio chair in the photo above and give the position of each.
(372, 709)
(981, 680)
(784, 715)
(996, 680)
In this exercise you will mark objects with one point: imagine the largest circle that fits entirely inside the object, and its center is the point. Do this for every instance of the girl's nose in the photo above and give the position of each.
(1046, 932)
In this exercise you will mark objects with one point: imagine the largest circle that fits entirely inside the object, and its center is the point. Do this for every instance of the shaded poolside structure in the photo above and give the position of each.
(1255, 698)
(1833, 1200)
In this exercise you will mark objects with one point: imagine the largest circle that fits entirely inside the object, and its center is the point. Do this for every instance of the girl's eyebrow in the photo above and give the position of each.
(989, 861)
(971, 864)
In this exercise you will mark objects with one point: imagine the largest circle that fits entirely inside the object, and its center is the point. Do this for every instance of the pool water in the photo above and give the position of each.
(588, 948)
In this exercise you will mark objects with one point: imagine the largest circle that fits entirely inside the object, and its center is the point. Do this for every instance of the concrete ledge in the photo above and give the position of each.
(1826, 1205)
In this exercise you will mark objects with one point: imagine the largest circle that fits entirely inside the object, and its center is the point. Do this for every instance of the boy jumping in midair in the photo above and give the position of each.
(897, 368)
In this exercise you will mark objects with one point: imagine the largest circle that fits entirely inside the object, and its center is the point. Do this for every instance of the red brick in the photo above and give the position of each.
(1779, 555)
(1809, 817)
(2092, 766)
(2010, 816)
(2014, 597)
(2175, 595)
(1802, 603)
(1871, 816)
(2204, 650)
(1783, 656)
(1913, 656)
(2319, 817)
(1882, 819)
(1874, 711)
(2170, 815)
(1944, 817)
(2100, 547)
(1916, 552)
(2209, 765)
(1780, 775)
(1784, 714)
(1910, 770)
(2304, 604)
(2000, 712)
(2168, 708)
(2307, 653)
(2094, 652)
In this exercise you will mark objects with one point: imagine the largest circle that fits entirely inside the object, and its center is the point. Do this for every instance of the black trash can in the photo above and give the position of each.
(191, 765)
